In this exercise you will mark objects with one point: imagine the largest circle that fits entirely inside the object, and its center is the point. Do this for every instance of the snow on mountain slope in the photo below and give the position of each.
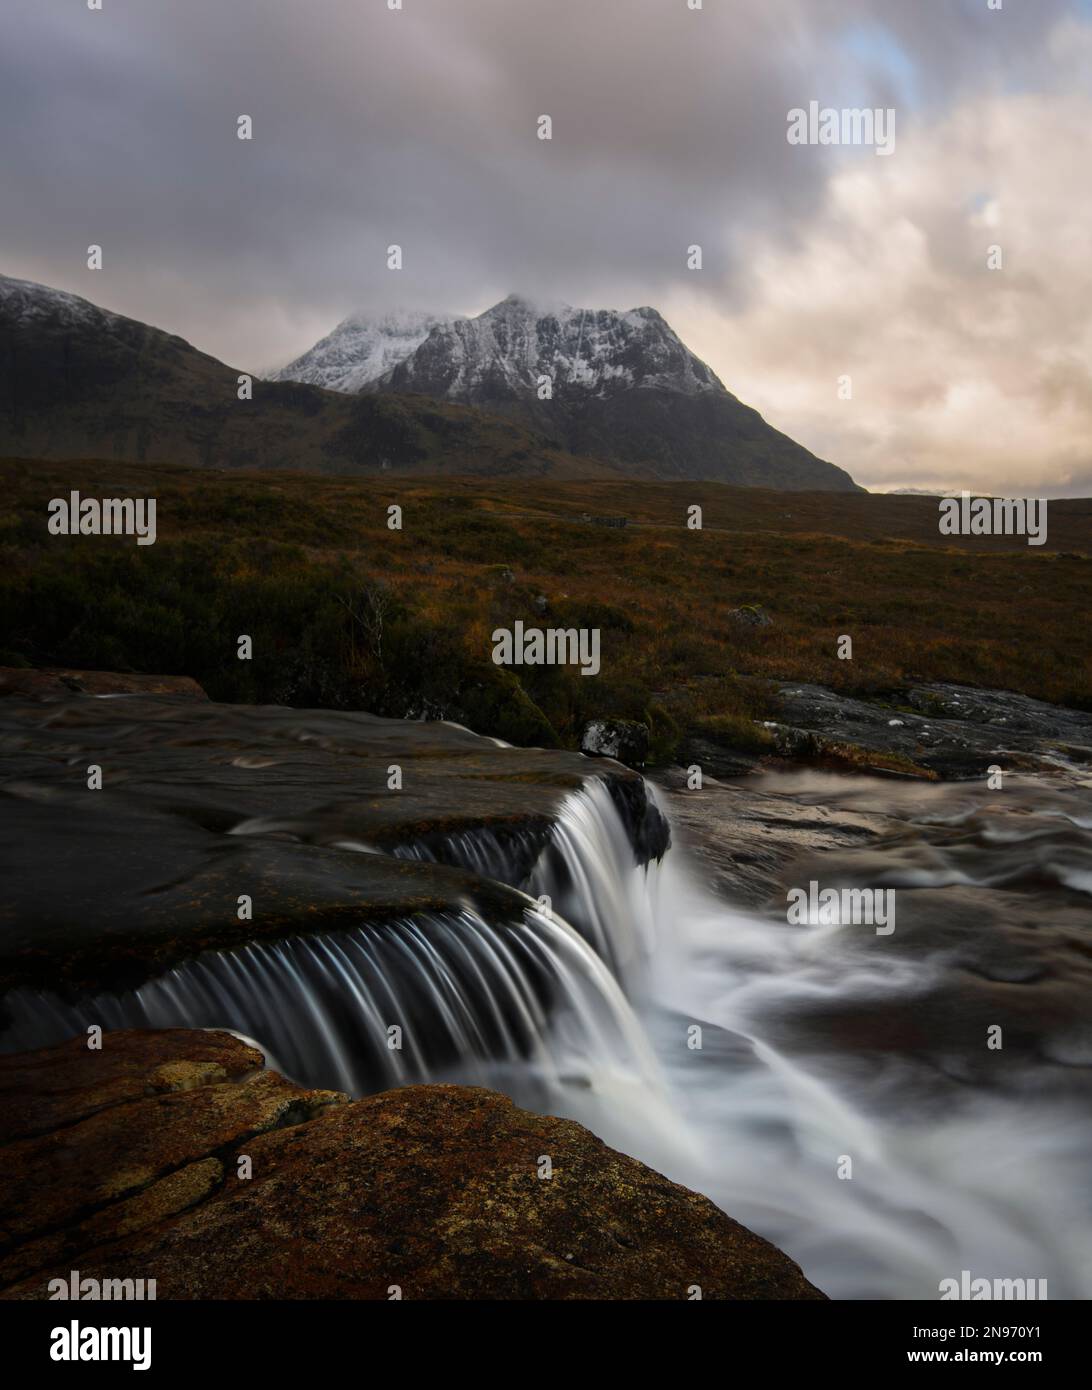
(504, 351)
(360, 350)
(23, 301)
(508, 349)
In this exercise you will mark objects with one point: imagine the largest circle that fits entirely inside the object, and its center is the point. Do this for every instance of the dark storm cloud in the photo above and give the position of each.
(418, 127)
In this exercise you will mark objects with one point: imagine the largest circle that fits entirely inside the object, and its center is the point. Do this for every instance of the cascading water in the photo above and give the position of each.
(590, 1011)
(526, 1007)
(944, 1177)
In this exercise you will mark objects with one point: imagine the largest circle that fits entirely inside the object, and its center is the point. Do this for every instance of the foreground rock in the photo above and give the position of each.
(431, 1190)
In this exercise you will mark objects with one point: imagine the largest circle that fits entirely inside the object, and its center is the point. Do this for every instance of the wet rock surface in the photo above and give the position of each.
(992, 924)
(953, 731)
(201, 803)
(435, 1190)
(743, 832)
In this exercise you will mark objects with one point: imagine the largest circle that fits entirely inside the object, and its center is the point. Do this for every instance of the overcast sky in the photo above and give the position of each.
(418, 126)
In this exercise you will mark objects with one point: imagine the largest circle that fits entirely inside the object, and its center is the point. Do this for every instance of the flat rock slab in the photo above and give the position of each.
(436, 1191)
(111, 898)
(950, 731)
(742, 833)
(201, 803)
(317, 776)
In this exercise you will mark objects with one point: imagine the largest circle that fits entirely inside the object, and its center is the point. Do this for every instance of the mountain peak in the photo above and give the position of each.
(506, 353)
(530, 306)
(361, 349)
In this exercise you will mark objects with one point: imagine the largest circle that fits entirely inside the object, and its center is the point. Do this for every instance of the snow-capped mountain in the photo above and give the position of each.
(506, 351)
(360, 351)
(512, 348)
(619, 386)
(627, 398)
(79, 381)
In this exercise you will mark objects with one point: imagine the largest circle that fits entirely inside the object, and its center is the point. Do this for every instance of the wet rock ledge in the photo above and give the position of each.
(201, 802)
(123, 1164)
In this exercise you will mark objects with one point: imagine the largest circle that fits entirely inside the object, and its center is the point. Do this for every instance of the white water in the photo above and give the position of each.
(989, 1181)
(995, 1184)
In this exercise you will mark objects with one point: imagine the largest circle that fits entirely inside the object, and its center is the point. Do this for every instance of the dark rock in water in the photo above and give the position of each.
(714, 759)
(45, 684)
(950, 731)
(625, 740)
(435, 1190)
(992, 894)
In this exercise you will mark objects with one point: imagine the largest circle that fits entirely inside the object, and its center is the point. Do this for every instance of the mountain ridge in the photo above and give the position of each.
(359, 350)
(614, 384)
(77, 380)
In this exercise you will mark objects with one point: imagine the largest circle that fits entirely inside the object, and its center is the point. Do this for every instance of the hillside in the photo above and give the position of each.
(77, 380)
(307, 565)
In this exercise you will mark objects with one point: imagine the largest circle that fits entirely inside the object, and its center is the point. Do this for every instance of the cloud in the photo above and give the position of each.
(418, 127)
(961, 375)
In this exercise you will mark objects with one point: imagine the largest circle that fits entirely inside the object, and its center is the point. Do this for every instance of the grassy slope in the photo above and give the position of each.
(273, 557)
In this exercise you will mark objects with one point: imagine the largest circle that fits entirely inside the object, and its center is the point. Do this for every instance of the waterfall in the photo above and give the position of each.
(524, 1006)
(586, 869)
(588, 1008)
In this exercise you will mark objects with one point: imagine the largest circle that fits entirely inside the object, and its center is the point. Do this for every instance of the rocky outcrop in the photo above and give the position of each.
(750, 615)
(131, 1170)
(625, 740)
(933, 730)
(949, 731)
